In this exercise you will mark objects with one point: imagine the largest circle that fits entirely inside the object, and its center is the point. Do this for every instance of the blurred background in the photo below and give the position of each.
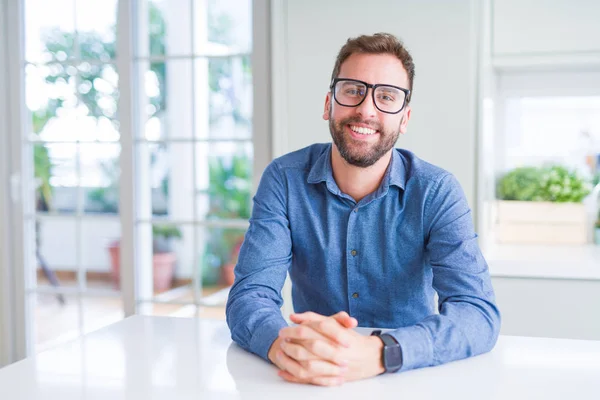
(133, 135)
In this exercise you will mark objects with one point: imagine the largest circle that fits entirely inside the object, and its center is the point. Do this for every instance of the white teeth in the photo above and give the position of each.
(362, 131)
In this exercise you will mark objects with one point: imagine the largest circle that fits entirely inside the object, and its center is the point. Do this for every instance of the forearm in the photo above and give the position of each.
(464, 328)
(254, 319)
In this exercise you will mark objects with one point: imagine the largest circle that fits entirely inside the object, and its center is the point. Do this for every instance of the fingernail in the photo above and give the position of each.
(344, 363)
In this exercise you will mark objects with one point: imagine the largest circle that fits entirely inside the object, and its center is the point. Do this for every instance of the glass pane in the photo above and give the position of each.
(55, 166)
(561, 130)
(219, 249)
(49, 30)
(49, 174)
(56, 255)
(229, 102)
(69, 103)
(169, 28)
(168, 179)
(229, 27)
(100, 172)
(224, 180)
(167, 102)
(51, 96)
(172, 259)
(96, 29)
(99, 241)
(98, 93)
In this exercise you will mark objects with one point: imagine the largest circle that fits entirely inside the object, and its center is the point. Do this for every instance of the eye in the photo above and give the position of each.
(353, 91)
(387, 97)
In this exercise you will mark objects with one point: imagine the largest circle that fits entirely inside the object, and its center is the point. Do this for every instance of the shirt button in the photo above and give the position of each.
(355, 295)
(354, 252)
(356, 210)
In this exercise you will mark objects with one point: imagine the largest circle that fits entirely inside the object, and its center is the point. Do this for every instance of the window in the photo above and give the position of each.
(549, 123)
(193, 148)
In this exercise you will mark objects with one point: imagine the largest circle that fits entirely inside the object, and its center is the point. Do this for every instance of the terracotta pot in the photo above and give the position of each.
(227, 274)
(163, 267)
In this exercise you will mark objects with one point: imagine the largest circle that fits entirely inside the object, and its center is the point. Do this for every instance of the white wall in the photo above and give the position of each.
(439, 34)
(559, 308)
(530, 27)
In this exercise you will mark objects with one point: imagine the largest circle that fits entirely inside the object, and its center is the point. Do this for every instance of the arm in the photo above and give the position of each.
(469, 321)
(253, 307)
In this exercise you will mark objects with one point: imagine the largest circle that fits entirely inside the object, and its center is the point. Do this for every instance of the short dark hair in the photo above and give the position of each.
(379, 43)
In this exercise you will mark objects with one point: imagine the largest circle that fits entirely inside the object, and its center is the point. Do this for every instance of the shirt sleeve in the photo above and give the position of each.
(254, 302)
(468, 322)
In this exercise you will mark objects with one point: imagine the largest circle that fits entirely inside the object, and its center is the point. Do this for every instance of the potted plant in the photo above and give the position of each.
(542, 205)
(163, 257)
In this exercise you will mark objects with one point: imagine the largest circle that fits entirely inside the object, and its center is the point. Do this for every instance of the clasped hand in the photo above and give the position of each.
(325, 351)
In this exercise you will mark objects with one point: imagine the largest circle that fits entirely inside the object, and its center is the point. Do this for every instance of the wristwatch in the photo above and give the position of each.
(391, 355)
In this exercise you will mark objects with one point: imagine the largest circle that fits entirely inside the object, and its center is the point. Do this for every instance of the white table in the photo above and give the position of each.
(175, 359)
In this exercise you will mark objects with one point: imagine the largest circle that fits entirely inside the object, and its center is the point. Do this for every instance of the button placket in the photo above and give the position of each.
(352, 262)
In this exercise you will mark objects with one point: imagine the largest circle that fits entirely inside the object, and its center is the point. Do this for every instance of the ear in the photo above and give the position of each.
(404, 121)
(327, 106)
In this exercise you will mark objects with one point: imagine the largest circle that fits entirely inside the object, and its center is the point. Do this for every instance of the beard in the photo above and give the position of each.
(360, 153)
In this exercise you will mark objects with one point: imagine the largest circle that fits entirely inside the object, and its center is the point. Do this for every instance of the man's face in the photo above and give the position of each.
(363, 134)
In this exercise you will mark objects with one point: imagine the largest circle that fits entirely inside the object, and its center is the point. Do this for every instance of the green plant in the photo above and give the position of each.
(562, 185)
(522, 184)
(166, 231)
(42, 170)
(163, 235)
(554, 183)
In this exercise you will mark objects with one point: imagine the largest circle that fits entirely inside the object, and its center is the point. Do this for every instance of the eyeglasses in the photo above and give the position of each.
(351, 93)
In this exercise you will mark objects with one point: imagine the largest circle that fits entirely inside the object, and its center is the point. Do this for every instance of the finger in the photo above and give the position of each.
(332, 330)
(313, 350)
(342, 317)
(308, 316)
(297, 351)
(300, 333)
(308, 369)
(325, 351)
(319, 380)
(345, 319)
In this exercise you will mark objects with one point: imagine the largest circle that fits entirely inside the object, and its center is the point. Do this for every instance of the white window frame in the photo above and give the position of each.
(15, 307)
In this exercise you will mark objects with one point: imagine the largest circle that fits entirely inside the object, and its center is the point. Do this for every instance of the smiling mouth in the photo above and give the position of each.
(362, 130)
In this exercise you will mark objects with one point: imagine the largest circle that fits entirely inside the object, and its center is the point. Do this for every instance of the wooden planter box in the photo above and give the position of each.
(532, 222)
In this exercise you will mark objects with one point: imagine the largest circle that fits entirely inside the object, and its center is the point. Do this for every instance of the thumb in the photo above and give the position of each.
(345, 320)
(342, 318)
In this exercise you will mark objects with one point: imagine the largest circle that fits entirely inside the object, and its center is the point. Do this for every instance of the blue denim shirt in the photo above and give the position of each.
(381, 259)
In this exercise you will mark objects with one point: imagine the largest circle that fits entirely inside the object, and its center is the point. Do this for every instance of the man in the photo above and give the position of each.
(368, 233)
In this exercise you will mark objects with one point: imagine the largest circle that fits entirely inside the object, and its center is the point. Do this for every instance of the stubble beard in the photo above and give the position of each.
(361, 153)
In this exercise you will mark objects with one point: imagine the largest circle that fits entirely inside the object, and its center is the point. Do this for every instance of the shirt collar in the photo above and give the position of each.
(322, 171)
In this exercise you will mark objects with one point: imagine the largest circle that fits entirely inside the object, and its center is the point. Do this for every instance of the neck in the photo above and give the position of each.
(355, 181)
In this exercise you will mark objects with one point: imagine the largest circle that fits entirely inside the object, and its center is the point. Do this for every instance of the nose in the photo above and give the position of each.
(367, 108)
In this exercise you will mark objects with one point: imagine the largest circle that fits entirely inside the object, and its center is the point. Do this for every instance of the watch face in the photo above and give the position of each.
(392, 353)
(393, 358)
